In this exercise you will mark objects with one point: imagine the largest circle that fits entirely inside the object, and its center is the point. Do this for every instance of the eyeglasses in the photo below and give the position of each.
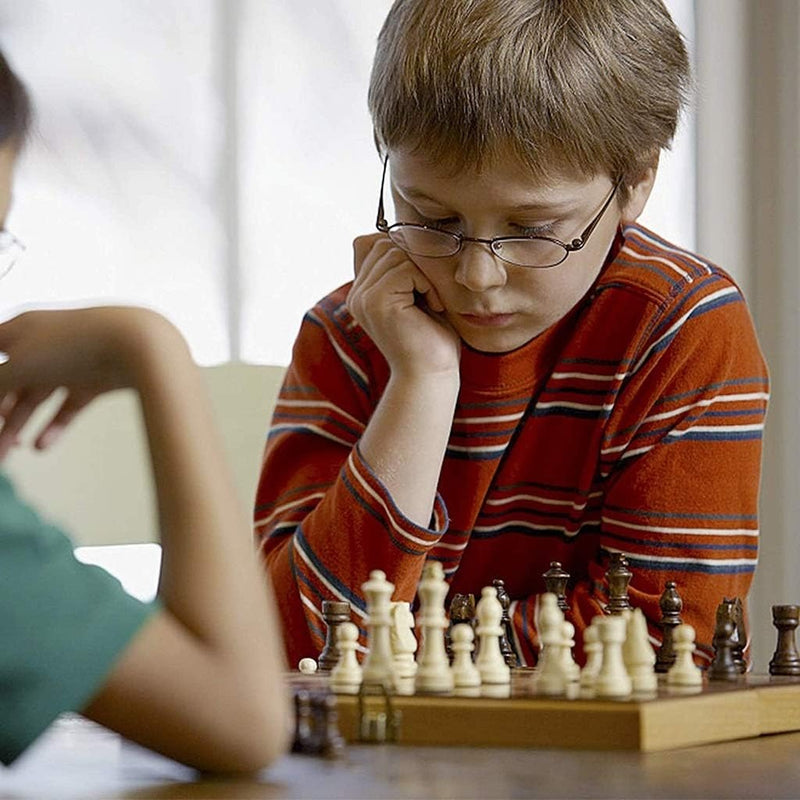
(11, 249)
(535, 252)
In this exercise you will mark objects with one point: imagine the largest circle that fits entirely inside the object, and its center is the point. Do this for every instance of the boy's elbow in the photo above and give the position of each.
(263, 730)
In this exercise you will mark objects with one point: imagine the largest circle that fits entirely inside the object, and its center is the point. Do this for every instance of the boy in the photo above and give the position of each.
(519, 373)
(196, 676)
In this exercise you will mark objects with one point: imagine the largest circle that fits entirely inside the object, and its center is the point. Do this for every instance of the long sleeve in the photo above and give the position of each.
(679, 465)
(322, 518)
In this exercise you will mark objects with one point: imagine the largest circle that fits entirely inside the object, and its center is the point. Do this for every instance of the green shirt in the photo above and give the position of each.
(63, 624)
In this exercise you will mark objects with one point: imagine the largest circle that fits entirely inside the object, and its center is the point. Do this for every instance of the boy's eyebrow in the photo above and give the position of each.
(568, 204)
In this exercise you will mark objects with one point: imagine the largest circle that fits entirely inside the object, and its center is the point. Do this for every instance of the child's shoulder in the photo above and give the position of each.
(649, 264)
(331, 311)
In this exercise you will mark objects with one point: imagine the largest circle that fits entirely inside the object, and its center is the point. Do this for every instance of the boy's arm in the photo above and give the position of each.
(201, 681)
(682, 460)
(324, 514)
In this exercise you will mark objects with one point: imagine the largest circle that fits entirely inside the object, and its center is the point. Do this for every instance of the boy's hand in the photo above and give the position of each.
(400, 309)
(87, 352)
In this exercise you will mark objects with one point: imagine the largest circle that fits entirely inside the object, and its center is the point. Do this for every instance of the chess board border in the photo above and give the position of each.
(753, 706)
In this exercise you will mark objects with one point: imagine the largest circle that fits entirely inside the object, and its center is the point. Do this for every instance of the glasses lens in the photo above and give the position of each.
(530, 252)
(421, 241)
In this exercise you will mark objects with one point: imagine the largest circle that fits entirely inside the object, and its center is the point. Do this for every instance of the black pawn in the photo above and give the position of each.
(462, 610)
(555, 582)
(507, 636)
(618, 576)
(786, 660)
(334, 612)
(723, 667)
(671, 606)
(303, 722)
(331, 743)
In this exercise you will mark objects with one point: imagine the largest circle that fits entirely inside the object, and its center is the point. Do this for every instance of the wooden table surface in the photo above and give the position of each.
(78, 760)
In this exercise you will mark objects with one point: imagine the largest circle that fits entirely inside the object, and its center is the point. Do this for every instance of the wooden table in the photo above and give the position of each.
(80, 761)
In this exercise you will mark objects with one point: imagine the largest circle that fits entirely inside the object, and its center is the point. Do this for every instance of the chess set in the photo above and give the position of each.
(628, 696)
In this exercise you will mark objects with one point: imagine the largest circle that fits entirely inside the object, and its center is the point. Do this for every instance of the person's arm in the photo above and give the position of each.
(682, 458)
(323, 517)
(201, 681)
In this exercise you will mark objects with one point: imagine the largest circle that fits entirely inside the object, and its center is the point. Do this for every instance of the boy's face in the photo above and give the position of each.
(495, 306)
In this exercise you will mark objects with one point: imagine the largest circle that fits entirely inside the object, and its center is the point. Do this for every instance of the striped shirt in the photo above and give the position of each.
(633, 425)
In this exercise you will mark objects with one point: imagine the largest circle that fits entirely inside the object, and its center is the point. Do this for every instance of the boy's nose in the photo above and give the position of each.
(478, 268)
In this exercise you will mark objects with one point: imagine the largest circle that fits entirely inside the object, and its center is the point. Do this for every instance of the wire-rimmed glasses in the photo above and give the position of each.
(534, 252)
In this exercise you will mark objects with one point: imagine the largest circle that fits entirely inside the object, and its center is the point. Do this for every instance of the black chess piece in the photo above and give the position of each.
(462, 610)
(330, 741)
(334, 612)
(507, 637)
(303, 722)
(731, 608)
(619, 577)
(671, 606)
(723, 667)
(555, 581)
(786, 660)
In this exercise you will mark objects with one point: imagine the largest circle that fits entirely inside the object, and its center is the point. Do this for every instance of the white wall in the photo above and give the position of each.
(748, 125)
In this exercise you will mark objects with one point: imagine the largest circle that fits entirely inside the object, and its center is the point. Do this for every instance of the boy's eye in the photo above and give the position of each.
(441, 224)
(534, 230)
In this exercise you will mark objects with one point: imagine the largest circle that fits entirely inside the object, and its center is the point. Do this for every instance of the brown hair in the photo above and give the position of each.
(15, 107)
(583, 86)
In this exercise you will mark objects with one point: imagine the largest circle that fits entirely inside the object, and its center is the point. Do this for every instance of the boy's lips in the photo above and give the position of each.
(488, 320)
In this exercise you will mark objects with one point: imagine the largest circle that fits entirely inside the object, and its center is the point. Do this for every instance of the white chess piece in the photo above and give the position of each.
(465, 673)
(307, 666)
(684, 672)
(593, 648)
(403, 641)
(378, 664)
(548, 618)
(613, 679)
(550, 676)
(490, 662)
(346, 674)
(433, 666)
(640, 658)
(572, 672)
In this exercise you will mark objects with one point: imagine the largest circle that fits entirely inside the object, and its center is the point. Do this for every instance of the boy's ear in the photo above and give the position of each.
(638, 193)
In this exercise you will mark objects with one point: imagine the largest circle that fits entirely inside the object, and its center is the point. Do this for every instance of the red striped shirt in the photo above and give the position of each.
(633, 425)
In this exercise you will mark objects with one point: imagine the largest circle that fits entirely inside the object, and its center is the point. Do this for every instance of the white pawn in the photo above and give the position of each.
(465, 673)
(613, 679)
(404, 643)
(307, 666)
(378, 664)
(593, 648)
(490, 662)
(684, 672)
(640, 658)
(550, 676)
(433, 667)
(572, 672)
(548, 618)
(346, 674)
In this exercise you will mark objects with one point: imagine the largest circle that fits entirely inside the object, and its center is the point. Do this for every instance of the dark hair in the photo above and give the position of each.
(15, 106)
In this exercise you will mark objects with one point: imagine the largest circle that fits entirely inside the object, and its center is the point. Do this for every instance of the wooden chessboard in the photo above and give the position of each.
(720, 711)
